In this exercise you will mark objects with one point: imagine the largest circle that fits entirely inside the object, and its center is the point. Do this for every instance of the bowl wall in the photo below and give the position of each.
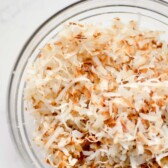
(150, 14)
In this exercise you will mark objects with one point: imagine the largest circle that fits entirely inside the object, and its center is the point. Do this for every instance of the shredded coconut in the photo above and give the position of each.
(99, 95)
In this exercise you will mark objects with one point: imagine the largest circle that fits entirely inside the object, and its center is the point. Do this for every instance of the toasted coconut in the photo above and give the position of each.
(99, 95)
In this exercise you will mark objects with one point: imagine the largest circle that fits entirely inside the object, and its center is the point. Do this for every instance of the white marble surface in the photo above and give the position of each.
(18, 20)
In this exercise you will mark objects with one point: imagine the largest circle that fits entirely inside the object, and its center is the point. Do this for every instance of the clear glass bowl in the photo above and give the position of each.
(151, 14)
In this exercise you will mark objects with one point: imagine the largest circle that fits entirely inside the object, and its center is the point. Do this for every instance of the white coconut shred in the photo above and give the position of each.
(99, 95)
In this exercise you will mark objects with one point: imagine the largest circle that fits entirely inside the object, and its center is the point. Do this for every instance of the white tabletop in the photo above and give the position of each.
(18, 20)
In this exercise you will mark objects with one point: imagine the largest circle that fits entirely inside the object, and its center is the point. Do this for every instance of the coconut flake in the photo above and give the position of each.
(53, 137)
(98, 95)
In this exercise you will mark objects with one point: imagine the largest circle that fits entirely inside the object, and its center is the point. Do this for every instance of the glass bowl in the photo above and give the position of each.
(152, 14)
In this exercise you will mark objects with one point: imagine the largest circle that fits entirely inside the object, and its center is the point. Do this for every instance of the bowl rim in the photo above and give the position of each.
(15, 65)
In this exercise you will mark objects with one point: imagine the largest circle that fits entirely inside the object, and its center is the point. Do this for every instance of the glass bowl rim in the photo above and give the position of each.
(10, 80)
